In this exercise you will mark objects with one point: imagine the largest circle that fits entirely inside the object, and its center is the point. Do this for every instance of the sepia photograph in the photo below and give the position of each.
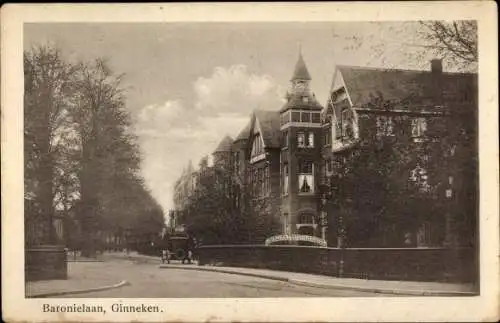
(190, 159)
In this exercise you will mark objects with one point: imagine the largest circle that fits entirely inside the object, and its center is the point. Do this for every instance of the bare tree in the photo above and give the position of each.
(99, 109)
(414, 43)
(80, 153)
(456, 40)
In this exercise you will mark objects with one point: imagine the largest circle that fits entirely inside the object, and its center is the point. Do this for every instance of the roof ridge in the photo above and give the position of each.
(374, 68)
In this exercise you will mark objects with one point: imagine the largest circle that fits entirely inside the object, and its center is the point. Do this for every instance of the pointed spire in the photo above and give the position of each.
(301, 72)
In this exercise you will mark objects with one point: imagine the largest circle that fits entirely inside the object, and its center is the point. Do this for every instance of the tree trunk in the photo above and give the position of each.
(46, 170)
(89, 199)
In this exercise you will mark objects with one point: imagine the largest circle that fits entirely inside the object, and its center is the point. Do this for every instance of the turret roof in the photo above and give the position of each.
(301, 72)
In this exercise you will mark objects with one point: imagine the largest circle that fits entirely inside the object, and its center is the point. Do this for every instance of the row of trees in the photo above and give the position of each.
(81, 158)
(222, 210)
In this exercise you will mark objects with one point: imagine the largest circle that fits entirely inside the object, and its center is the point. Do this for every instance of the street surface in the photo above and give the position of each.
(147, 280)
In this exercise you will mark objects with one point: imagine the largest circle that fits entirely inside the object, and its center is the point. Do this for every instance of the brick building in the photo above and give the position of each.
(429, 119)
(300, 125)
(419, 127)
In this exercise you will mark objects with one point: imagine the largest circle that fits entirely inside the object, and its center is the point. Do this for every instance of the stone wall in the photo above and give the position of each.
(410, 264)
(45, 263)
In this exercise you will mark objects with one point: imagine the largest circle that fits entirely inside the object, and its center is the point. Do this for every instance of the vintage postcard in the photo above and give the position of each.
(284, 162)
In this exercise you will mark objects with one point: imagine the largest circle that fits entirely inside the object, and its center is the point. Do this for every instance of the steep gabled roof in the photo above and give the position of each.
(244, 133)
(224, 145)
(269, 122)
(409, 88)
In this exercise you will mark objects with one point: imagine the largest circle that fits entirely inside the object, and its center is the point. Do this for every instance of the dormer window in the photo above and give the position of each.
(305, 99)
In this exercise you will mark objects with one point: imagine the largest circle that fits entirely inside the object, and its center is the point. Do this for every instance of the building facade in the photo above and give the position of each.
(300, 126)
(389, 161)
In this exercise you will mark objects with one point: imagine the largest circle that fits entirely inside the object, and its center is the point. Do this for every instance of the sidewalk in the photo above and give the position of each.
(132, 256)
(82, 277)
(408, 288)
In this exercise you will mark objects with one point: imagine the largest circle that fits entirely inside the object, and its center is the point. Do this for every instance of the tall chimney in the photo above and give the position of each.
(437, 66)
(437, 87)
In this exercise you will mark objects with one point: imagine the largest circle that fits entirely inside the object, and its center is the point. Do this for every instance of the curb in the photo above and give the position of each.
(137, 258)
(84, 260)
(80, 291)
(342, 287)
(404, 292)
(228, 272)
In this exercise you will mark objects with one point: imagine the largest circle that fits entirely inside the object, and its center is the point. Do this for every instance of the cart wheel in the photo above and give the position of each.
(179, 254)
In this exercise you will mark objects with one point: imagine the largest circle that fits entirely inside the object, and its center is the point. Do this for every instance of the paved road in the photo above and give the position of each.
(149, 281)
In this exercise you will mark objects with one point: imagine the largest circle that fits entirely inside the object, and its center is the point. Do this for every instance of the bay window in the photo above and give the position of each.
(285, 118)
(305, 117)
(315, 117)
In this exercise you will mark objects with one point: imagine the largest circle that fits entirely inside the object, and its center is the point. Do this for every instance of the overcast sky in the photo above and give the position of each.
(189, 84)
